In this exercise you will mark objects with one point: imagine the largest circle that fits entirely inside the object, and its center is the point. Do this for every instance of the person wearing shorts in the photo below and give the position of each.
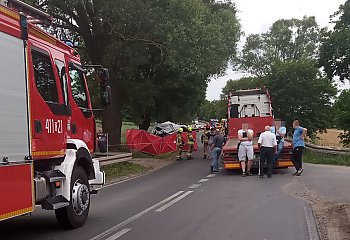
(245, 149)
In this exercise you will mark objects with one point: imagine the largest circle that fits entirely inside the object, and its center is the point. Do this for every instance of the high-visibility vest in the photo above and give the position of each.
(190, 138)
(205, 136)
(179, 139)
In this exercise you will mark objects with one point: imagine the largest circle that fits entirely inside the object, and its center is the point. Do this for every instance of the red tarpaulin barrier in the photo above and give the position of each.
(145, 142)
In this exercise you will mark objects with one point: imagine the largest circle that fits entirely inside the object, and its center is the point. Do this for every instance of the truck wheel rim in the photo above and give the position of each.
(80, 197)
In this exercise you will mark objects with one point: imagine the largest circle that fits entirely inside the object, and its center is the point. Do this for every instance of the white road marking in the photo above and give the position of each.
(174, 201)
(133, 218)
(196, 185)
(126, 180)
(311, 225)
(211, 175)
(203, 180)
(119, 234)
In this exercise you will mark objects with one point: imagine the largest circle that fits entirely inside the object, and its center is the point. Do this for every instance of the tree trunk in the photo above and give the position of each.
(145, 122)
(112, 119)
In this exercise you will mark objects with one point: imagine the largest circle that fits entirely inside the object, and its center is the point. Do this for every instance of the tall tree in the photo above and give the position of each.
(199, 39)
(160, 53)
(284, 60)
(298, 90)
(335, 49)
(216, 109)
(286, 40)
(335, 60)
(342, 116)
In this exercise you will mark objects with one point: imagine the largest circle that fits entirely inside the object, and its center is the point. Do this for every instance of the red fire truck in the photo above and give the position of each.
(252, 107)
(47, 123)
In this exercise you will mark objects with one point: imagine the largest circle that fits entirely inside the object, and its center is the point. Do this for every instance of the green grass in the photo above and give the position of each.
(126, 126)
(330, 159)
(122, 169)
(145, 155)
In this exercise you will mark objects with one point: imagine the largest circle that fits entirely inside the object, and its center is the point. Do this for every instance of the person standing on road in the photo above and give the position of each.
(190, 143)
(245, 149)
(216, 150)
(268, 146)
(298, 147)
(211, 135)
(205, 139)
(179, 143)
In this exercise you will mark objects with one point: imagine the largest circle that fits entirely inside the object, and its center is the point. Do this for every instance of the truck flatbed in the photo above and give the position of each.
(230, 150)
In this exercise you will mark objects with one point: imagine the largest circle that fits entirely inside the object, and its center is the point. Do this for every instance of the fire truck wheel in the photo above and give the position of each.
(75, 215)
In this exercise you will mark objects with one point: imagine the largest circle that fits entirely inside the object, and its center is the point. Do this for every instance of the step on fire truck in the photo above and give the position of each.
(47, 123)
(251, 107)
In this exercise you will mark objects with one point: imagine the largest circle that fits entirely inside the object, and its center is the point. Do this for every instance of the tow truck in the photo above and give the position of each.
(252, 107)
(47, 123)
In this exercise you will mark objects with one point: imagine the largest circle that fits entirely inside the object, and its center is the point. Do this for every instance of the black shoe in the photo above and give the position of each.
(211, 169)
(295, 173)
(244, 175)
(269, 176)
(300, 172)
(249, 173)
(261, 176)
(216, 170)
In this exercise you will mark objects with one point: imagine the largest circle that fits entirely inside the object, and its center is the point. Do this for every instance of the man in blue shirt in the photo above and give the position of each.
(280, 133)
(298, 147)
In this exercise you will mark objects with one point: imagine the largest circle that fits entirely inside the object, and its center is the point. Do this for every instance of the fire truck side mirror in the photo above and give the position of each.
(106, 95)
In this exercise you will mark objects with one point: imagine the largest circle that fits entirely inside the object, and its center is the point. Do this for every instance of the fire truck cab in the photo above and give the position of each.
(253, 108)
(47, 125)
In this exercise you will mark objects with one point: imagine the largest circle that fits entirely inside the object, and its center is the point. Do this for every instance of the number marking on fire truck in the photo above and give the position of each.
(53, 126)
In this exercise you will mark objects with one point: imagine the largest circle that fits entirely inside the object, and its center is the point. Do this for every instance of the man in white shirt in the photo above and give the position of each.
(268, 147)
(245, 149)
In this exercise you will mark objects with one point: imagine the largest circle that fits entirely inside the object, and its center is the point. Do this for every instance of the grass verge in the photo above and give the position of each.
(322, 158)
(123, 169)
(145, 155)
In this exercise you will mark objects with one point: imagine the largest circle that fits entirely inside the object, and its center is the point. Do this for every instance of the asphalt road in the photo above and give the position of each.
(182, 201)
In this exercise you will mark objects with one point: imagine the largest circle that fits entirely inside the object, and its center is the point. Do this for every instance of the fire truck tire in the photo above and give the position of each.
(76, 213)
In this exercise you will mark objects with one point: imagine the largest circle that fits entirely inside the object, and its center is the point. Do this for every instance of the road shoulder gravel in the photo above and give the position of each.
(332, 215)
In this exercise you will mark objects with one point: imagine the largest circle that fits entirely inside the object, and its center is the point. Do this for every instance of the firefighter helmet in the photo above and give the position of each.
(190, 129)
(180, 130)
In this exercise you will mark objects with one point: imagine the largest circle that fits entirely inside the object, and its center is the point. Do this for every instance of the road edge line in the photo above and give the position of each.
(119, 234)
(311, 223)
(136, 216)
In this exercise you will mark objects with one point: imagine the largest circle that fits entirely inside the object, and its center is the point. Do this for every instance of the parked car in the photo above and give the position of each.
(167, 128)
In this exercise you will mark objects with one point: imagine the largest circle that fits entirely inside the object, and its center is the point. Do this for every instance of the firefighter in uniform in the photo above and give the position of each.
(179, 143)
(205, 139)
(190, 143)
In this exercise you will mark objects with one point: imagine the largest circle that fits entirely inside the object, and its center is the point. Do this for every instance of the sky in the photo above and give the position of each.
(256, 16)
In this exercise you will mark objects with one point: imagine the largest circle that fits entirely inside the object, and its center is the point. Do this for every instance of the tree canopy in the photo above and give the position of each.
(284, 60)
(335, 49)
(286, 40)
(161, 54)
(342, 116)
(299, 91)
(335, 59)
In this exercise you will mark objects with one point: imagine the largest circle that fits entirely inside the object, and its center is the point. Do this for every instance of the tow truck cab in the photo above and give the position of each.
(252, 107)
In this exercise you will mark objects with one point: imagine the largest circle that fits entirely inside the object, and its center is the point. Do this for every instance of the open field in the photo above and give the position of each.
(330, 138)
